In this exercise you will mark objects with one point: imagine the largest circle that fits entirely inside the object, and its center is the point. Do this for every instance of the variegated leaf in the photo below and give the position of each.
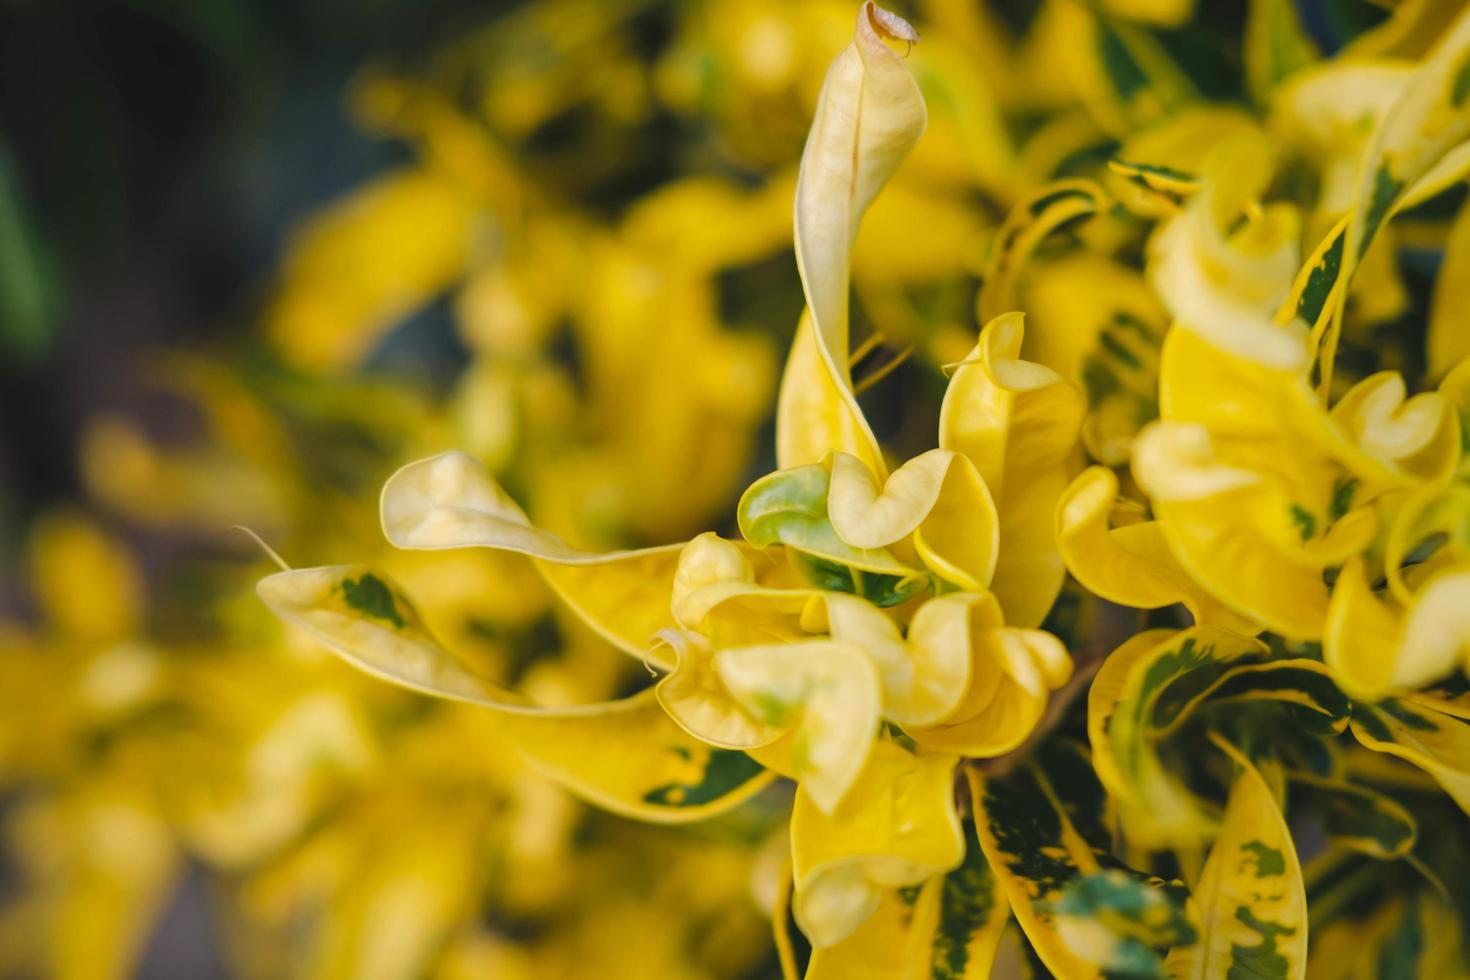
(625, 755)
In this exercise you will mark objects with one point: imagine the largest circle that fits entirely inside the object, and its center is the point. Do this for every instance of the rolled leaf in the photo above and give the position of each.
(827, 691)
(1055, 207)
(1376, 648)
(869, 116)
(1012, 673)
(1150, 687)
(1430, 119)
(938, 497)
(789, 507)
(1413, 730)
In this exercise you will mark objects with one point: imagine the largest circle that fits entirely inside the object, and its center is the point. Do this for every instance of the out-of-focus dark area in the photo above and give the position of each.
(152, 156)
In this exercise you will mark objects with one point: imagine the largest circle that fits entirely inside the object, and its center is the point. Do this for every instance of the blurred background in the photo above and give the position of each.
(154, 158)
(254, 256)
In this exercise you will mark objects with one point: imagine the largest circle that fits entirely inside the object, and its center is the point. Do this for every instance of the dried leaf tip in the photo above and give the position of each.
(891, 26)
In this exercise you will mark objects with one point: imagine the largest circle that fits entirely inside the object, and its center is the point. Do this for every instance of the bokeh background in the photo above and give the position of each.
(155, 158)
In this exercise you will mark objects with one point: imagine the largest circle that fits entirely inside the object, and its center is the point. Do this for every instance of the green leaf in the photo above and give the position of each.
(29, 300)
(1042, 831)
(881, 590)
(1125, 919)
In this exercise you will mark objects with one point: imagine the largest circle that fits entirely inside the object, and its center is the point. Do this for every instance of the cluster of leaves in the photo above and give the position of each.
(875, 633)
(1153, 667)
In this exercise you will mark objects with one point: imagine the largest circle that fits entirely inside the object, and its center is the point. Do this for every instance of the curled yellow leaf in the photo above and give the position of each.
(938, 497)
(1376, 647)
(1130, 564)
(869, 116)
(898, 828)
(1018, 421)
(827, 691)
(451, 501)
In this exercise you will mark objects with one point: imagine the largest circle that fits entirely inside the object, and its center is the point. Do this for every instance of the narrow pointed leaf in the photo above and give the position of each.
(1251, 901)
(625, 755)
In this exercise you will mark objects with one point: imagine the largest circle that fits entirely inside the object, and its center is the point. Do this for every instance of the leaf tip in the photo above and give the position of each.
(890, 26)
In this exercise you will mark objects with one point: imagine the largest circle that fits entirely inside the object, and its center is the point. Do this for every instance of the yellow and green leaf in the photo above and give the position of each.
(1054, 208)
(1422, 132)
(1153, 685)
(1120, 921)
(1043, 829)
(625, 755)
(789, 507)
(1358, 818)
(1155, 807)
(451, 501)
(1251, 902)
(948, 928)
(1413, 730)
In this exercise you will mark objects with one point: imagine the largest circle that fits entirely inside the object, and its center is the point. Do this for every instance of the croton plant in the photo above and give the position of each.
(1154, 665)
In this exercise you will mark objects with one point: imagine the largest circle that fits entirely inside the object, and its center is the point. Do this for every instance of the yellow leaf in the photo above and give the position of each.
(1012, 673)
(627, 756)
(938, 497)
(869, 115)
(827, 691)
(1375, 648)
(1449, 317)
(450, 501)
(897, 828)
(1130, 564)
(1018, 422)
